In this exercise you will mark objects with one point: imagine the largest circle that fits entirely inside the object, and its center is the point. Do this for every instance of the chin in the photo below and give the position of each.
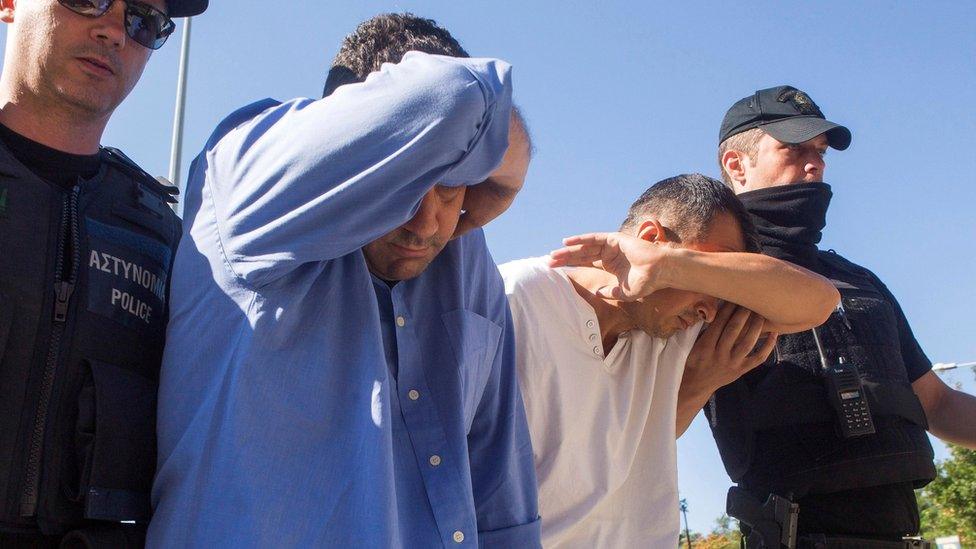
(405, 271)
(667, 334)
(96, 104)
(659, 331)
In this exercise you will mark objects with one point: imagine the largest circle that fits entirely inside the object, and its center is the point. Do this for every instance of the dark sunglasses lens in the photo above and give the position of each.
(148, 26)
(90, 8)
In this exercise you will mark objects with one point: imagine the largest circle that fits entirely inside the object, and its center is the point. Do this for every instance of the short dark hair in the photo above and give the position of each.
(746, 142)
(686, 205)
(385, 39)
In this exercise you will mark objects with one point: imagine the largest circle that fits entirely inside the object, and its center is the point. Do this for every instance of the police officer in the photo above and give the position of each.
(87, 240)
(829, 436)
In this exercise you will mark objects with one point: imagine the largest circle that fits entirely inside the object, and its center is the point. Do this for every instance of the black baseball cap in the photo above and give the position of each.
(186, 8)
(787, 114)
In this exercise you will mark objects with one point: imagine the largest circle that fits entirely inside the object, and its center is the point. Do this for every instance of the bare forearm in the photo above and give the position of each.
(789, 297)
(954, 420)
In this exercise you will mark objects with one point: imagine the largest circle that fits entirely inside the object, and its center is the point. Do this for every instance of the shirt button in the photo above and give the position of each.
(592, 337)
(597, 350)
(401, 321)
(413, 394)
(458, 536)
(590, 324)
(435, 460)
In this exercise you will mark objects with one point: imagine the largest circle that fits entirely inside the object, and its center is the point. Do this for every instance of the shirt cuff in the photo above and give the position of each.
(523, 535)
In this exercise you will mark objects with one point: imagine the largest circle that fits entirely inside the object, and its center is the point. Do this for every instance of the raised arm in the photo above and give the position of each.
(314, 180)
(790, 298)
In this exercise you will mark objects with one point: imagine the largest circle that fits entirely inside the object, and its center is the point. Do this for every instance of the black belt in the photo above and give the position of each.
(817, 541)
(772, 525)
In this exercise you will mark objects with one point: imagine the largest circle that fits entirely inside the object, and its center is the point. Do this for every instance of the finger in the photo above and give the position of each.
(573, 261)
(614, 292)
(760, 355)
(749, 336)
(588, 238)
(732, 329)
(578, 252)
(554, 263)
(713, 331)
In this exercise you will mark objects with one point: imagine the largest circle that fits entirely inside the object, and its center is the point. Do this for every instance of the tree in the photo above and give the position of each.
(725, 535)
(948, 504)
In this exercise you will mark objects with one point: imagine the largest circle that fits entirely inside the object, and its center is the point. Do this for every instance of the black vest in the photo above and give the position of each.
(775, 429)
(84, 280)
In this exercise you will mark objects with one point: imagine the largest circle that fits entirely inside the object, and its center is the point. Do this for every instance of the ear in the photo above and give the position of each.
(733, 162)
(7, 10)
(651, 230)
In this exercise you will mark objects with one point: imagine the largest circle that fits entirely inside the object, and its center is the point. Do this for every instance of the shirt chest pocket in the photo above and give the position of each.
(474, 340)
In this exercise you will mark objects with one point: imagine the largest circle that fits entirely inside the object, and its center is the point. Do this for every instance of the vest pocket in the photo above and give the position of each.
(116, 440)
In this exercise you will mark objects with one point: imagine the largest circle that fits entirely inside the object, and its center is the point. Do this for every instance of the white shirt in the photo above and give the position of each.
(603, 427)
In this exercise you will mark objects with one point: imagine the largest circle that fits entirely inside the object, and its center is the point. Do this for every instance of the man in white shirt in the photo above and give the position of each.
(601, 350)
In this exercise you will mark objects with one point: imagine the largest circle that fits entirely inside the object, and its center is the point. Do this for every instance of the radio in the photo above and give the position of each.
(845, 392)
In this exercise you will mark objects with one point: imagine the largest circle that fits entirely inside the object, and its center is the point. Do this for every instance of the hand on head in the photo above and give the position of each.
(490, 198)
(636, 263)
(727, 347)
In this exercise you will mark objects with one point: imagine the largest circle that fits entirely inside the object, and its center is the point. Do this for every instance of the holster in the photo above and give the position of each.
(769, 525)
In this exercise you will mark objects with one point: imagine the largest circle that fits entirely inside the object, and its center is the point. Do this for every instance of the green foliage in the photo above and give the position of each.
(948, 504)
(725, 535)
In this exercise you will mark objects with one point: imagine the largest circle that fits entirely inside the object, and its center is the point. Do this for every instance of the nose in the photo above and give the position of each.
(424, 223)
(707, 308)
(814, 165)
(109, 29)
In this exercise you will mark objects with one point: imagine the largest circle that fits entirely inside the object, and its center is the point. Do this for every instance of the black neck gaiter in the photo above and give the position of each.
(789, 220)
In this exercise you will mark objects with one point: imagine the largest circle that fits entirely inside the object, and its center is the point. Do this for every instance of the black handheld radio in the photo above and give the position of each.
(845, 392)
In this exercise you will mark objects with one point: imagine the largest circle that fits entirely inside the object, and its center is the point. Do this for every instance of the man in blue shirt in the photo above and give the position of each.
(339, 372)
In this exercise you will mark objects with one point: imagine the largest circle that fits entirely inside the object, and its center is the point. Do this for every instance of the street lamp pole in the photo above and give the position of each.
(943, 366)
(177, 147)
(683, 505)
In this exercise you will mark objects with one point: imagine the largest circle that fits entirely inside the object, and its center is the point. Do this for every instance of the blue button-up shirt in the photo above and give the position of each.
(300, 403)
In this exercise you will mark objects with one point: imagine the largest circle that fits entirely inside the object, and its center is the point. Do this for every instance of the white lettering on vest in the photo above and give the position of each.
(129, 270)
(131, 305)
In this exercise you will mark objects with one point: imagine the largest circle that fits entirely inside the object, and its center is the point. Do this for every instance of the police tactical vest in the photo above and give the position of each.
(775, 429)
(84, 277)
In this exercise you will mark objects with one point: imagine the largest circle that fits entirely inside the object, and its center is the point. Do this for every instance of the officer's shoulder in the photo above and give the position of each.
(834, 259)
(837, 261)
(146, 182)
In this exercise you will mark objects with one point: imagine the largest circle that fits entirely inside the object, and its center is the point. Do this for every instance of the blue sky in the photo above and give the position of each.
(622, 94)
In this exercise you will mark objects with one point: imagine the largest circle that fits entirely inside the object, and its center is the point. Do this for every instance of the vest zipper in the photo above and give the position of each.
(65, 276)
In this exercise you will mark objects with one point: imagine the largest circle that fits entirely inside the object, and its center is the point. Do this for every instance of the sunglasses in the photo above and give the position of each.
(143, 23)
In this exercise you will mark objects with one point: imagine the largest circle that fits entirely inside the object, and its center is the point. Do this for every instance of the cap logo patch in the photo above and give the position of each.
(800, 101)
